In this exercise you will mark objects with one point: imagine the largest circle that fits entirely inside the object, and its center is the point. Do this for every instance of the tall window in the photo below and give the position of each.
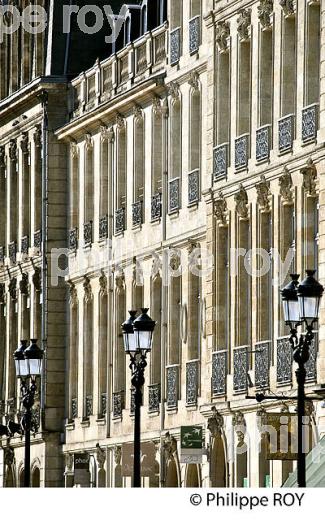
(223, 98)
(74, 187)
(244, 87)
(194, 313)
(243, 318)
(102, 354)
(139, 163)
(26, 209)
(121, 166)
(157, 314)
(312, 54)
(3, 335)
(175, 304)
(266, 77)
(157, 151)
(176, 14)
(265, 305)
(89, 181)
(14, 187)
(73, 356)
(176, 138)
(287, 246)
(119, 357)
(195, 128)
(88, 349)
(289, 76)
(3, 198)
(222, 292)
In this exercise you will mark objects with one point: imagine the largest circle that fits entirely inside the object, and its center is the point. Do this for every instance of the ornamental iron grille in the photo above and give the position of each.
(38, 239)
(240, 369)
(137, 217)
(12, 252)
(220, 160)
(103, 404)
(172, 386)
(88, 233)
(311, 365)
(2, 255)
(241, 152)
(119, 221)
(219, 373)
(73, 239)
(263, 143)
(192, 382)
(174, 195)
(194, 187)
(74, 408)
(24, 245)
(284, 361)
(262, 364)
(156, 207)
(309, 123)
(154, 397)
(286, 133)
(103, 228)
(132, 402)
(194, 34)
(118, 404)
(175, 46)
(36, 419)
(89, 405)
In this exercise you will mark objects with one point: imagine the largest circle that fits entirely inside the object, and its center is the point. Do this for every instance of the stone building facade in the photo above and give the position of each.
(195, 160)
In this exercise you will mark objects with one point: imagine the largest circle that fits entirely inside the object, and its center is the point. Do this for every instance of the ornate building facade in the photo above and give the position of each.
(194, 157)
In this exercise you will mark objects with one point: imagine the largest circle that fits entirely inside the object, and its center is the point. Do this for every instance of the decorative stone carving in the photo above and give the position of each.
(24, 284)
(137, 113)
(215, 423)
(288, 7)
(24, 143)
(239, 424)
(222, 35)
(73, 294)
(120, 122)
(100, 456)
(221, 209)
(263, 194)
(241, 200)
(12, 288)
(265, 10)
(120, 280)
(2, 294)
(37, 280)
(69, 462)
(261, 417)
(243, 24)
(117, 455)
(175, 262)
(88, 293)
(169, 446)
(88, 142)
(2, 157)
(74, 150)
(13, 150)
(285, 183)
(103, 284)
(194, 80)
(310, 177)
(156, 106)
(107, 133)
(173, 90)
(38, 136)
(9, 455)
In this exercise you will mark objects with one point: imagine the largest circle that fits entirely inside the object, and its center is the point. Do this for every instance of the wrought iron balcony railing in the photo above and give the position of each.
(194, 34)
(156, 207)
(12, 252)
(89, 406)
(175, 46)
(154, 398)
(193, 187)
(263, 143)
(38, 239)
(286, 133)
(2, 255)
(137, 213)
(241, 152)
(174, 195)
(103, 404)
(220, 160)
(24, 245)
(103, 228)
(284, 358)
(119, 221)
(118, 404)
(310, 123)
(172, 386)
(262, 364)
(219, 373)
(192, 382)
(73, 239)
(88, 233)
(311, 365)
(74, 408)
(240, 367)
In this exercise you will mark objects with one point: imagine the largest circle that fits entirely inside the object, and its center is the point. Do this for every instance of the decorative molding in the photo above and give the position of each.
(24, 284)
(286, 184)
(89, 143)
(74, 149)
(156, 106)
(107, 134)
(137, 113)
(241, 200)
(69, 462)
(37, 279)
(263, 194)
(100, 456)
(221, 209)
(239, 424)
(169, 446)
(194, 80)
(2, 157)
(73, 294)
(222, 35)
(265, 10)
(215, 423)
(243, 24)
(103, 284)
(12, 288)
(24, 143)
(9, 455)
(37, 136)
(88, 293)
(309, 173)
(173, 90)
(120, 281)
(120, 122)
(288, 7)
(2, 293)
(13, 150)
(117, 455)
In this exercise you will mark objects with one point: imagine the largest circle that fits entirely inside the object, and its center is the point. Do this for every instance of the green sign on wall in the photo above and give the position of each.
(192, 437)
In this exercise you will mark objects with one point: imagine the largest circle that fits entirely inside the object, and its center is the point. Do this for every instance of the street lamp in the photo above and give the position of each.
(301, 304)
(28, 363)
(138, 336)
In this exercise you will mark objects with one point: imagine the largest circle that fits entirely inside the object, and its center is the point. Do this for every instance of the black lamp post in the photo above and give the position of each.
(301, 306)
(138, 334)
(28, 363)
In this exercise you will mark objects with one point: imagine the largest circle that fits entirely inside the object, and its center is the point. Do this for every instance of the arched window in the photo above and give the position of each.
(21, 478)
(195, 129)
(74, 187)
(119, 357)
(156, 309)
(36, 478)
(194, 313)
(218, 464)
(172, 480)
(120, 179)
(89, 190)
(241, 465)
(88, 350)
(102, 354)
(139, 171)
(193, 478)
(175, 305)
(127, 34)
(144, 19)
(101, 478)
(73, 359)
(175, 156)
